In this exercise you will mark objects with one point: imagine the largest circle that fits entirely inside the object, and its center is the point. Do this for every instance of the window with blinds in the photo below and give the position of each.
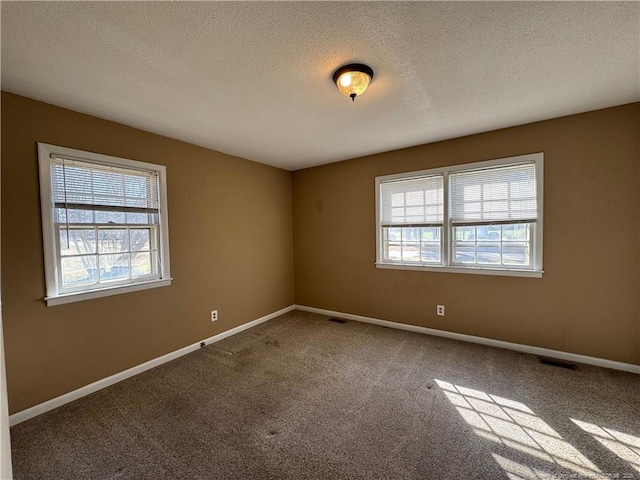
(104, 221)
(493, 212)
(412, 216)
(485, 217)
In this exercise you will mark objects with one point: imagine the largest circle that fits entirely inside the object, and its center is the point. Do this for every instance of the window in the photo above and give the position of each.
(483, 217)
(104, 222)
(412, 219)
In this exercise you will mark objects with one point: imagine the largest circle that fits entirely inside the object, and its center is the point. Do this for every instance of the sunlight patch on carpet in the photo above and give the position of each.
(516, 426)
(624, 445)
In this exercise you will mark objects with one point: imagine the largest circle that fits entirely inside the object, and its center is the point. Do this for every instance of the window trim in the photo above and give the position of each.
(537, 262)
(53, 294)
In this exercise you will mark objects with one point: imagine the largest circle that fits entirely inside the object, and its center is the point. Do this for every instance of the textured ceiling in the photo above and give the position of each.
(253, 79)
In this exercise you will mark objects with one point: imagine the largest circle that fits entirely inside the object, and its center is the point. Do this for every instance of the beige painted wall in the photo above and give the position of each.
(230, 229)
(587, 300)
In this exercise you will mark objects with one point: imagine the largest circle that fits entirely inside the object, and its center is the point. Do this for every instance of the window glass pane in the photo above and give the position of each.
(394, 234)
(75, 216)
(142, 264)
(431, 252)
(114, 267)
(110, 217)
(465, 233)
(393, 252)
(430, 234)
(411, 234)
(519, 232)
(112, 240)
(138, 218)
(77, 241)
(488, 232)
(78, 271)
(411, 251)
(489, 253)
(516, 253)
(431, 247)
(140, 239)
(60, 215)
(80, 216)
(464, 252)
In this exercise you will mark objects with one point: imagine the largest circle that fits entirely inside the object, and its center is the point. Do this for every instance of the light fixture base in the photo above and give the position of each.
(353, 67)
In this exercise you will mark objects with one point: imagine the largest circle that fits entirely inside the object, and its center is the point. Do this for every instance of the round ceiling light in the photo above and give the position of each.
(353, 79)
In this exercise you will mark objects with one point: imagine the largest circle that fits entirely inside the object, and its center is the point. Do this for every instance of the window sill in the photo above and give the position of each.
(104, 292)
(468, 270)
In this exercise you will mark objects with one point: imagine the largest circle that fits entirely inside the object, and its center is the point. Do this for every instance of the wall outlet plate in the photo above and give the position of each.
(440, 310)
(214, 315)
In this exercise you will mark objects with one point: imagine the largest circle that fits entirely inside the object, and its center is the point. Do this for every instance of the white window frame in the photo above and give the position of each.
(54, 295)
(537, 235)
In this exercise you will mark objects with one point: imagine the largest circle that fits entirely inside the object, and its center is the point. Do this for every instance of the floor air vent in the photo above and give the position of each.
(337, 320)
(557, 363)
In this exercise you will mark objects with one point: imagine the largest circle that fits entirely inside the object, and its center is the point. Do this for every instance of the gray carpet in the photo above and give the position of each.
(302, 397)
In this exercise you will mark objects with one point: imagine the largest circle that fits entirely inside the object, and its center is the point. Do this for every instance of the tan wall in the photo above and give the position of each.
(230, 229)
(587, 300)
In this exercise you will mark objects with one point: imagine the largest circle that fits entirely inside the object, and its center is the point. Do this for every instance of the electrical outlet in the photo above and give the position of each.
(214, 315)
(440, 310)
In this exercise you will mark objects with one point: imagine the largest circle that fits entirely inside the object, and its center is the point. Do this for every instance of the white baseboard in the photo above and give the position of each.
(544, 352)
(118, 377)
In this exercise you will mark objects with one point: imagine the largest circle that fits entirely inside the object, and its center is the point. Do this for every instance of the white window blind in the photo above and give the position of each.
(414, 202)
(91, 193)
(493, 196)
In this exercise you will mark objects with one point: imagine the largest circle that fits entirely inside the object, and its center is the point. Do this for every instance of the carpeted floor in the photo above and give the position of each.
(302, 397)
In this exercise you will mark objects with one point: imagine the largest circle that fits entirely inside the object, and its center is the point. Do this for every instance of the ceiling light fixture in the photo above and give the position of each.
(353, 79)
